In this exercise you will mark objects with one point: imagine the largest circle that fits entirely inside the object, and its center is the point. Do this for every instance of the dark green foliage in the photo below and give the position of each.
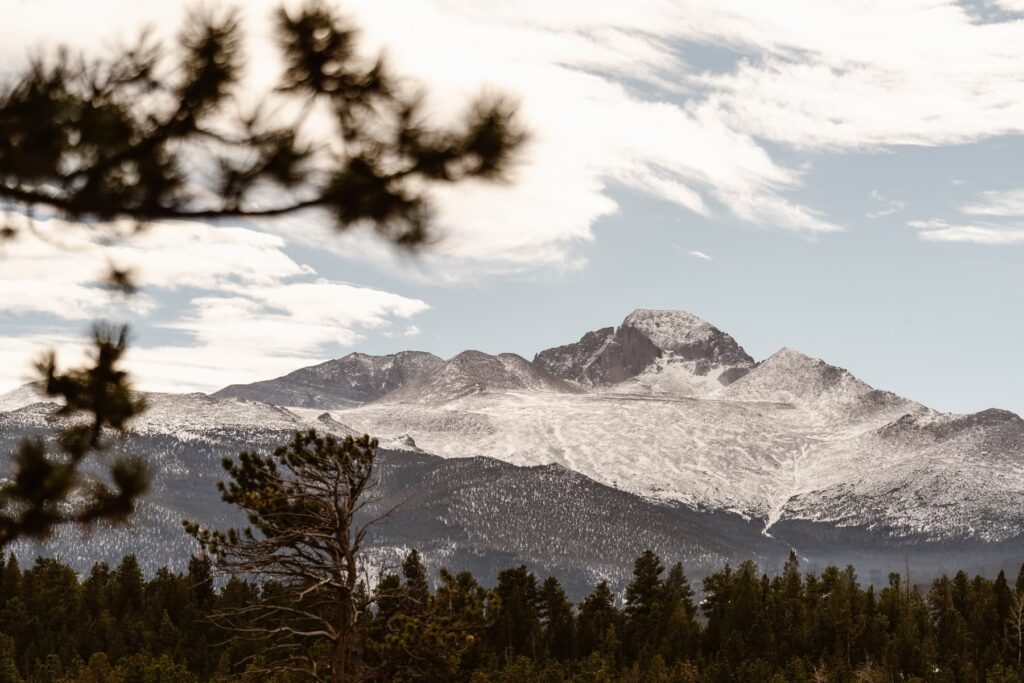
(96, 400)
(115, 626)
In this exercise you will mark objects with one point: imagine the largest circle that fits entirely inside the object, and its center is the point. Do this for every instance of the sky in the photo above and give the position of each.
(842, 178)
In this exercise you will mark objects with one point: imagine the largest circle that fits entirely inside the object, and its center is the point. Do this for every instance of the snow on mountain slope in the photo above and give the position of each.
(928, 474)
(721, 454)
(827, 392)
(186, 413)
(352, 380)
(22, 396)
(764, 460)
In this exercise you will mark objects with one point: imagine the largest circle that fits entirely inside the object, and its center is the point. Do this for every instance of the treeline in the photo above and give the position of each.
(115, 626)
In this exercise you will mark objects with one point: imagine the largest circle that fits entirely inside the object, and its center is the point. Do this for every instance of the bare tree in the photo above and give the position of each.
(305, 544)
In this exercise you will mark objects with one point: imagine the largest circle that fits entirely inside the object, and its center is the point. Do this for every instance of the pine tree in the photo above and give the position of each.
(643, 596)
(597, 616)
(308, 509)
(558, 621)
(8, 662)
(417, 587)
(516, 631)
(676, 614)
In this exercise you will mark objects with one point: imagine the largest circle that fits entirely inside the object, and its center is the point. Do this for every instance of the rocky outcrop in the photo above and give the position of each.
(353, 380)
(609, 356)
(476, 372)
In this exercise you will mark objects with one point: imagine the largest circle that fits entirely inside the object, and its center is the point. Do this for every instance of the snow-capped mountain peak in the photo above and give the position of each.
(646, 343)
(686, 336)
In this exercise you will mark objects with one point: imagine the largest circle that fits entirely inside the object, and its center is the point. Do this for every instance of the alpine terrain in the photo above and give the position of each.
(661, 432)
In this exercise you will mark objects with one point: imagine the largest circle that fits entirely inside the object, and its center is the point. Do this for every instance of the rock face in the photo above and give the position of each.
(353, 380)
(475, 372)
(609, 356)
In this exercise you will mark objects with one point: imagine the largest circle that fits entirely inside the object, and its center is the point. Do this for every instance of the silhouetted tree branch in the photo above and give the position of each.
(142, 137)
(115, 139)
(46, 488)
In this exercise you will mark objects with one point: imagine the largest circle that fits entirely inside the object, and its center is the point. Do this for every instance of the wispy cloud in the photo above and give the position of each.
(244, 306)
(699, 255)
(975, 234)
(993, 229)
(993, 203)
(889, 206)
(938, 230)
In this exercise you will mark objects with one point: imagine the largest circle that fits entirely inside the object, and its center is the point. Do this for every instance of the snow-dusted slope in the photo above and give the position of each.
(22, 396)
(926, 474)
(828, 393)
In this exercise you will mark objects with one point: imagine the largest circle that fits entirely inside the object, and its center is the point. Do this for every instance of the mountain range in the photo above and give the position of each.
(659, 432)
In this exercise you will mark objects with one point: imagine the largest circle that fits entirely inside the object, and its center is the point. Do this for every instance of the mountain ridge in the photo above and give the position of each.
(794, 446)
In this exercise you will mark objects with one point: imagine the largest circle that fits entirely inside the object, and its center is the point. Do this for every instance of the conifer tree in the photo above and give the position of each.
(598, 623)
(643, 596)
(558, 621)
(678, 626)
(306, 505)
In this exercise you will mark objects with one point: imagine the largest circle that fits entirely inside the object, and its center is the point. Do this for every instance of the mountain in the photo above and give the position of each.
(471, 513)
(353, 380)
(661, 431)
(651, 340)
(672, 409)
(24, 395)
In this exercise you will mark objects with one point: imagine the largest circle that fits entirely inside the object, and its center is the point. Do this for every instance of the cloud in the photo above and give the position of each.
(868, 74)
(889, 206)
(244, 306)
(411, 331)
(56, 267)
(18, 353)
(700, 255)
(975, 234)
(292, 317)
(939, 230)
(606, 93)
(993, 203)
(1010, 5)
